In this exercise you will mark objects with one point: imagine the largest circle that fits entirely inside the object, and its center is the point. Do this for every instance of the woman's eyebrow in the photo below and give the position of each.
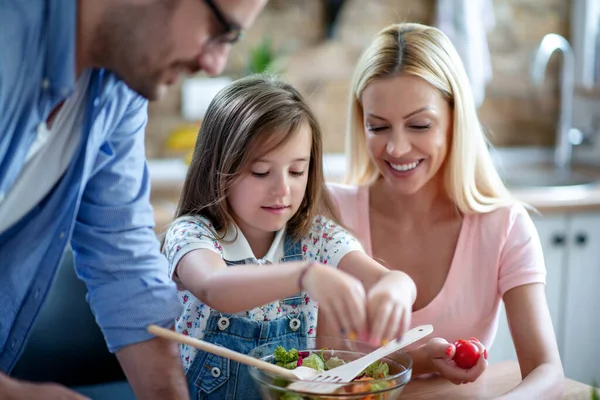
(420, 110)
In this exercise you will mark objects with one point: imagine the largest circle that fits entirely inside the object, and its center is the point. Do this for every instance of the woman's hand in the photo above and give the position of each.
(340, 295)
(389, 307)
(441, 353)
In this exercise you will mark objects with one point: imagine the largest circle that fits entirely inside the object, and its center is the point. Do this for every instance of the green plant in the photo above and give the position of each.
(595, 395)
(262, 57)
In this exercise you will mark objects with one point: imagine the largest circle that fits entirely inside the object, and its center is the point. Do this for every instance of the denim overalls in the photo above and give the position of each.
(212, 377)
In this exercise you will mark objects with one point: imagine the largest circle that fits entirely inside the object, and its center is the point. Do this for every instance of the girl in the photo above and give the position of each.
(249, 250)
(421, 176)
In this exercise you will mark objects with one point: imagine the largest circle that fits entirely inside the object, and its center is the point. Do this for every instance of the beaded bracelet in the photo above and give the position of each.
(303, 272)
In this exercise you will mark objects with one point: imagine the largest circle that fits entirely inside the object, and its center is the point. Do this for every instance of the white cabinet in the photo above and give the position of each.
(554, 236)
(581, 327)
(571, 244)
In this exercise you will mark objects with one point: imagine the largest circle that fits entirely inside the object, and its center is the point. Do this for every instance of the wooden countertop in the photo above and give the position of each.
(498, 378)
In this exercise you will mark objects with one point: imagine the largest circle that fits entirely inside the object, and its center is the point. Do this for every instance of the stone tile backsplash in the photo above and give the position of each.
(514, 112)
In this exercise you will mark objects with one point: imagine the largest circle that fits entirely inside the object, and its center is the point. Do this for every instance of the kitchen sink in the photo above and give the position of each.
(531, 177)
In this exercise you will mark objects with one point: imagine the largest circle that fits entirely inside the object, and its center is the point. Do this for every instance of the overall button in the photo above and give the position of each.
(294, 324)
(216, 372)
(223, 323)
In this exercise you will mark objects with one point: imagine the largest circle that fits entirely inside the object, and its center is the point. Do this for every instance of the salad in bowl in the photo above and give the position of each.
(382, 380)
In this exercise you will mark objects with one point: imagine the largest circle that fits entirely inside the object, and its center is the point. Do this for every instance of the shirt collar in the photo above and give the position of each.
(239, 249)
(59, 71)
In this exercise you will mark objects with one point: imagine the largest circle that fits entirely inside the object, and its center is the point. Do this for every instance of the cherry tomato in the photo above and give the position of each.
(467, 354)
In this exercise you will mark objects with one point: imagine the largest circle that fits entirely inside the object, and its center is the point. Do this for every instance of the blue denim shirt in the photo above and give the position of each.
(101, 204)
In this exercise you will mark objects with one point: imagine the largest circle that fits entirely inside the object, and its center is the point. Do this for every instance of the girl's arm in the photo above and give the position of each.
(390, 296)
(535, 343)
(243, 287)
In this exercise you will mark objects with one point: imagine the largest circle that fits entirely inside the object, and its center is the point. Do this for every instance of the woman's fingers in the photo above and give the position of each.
(441, 353)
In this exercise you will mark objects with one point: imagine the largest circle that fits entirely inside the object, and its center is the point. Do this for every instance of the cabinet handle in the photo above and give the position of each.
(581, 239)
(558, 239)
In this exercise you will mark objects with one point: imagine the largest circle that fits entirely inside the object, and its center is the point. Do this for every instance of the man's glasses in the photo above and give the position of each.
(232, 32)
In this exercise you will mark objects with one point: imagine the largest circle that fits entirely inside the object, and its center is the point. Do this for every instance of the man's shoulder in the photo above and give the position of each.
(21, 25)
(117, 91)
(18, 15)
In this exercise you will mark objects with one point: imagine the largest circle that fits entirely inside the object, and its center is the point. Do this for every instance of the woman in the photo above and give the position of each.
(424, 198)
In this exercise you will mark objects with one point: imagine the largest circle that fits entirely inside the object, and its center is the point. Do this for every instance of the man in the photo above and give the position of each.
(74, 79)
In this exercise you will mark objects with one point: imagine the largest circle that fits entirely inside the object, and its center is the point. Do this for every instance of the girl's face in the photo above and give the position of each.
(268, 194)
(408, 125)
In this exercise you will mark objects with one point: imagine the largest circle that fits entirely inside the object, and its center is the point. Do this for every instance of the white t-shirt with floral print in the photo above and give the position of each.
(326, 243)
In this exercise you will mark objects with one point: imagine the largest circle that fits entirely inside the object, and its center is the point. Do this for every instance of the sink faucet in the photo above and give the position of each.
(549, 44)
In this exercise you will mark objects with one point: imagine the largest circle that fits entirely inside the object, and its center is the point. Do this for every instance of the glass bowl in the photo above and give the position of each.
(273, 387)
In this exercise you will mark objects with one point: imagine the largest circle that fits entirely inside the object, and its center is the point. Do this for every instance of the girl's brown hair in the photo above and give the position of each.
(246, 120)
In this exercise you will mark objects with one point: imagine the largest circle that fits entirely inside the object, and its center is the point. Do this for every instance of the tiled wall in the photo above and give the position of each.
(514, 112)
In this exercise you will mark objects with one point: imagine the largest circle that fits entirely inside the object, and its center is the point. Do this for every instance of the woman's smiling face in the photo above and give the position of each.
(408, 126)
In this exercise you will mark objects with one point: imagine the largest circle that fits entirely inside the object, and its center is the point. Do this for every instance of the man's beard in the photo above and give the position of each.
(134, 51)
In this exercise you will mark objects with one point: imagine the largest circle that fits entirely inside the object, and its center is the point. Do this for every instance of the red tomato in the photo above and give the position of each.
(467, 354)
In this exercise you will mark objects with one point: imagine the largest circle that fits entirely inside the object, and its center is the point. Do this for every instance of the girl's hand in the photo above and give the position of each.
(340, 296)
(441, 353)
(389, 307)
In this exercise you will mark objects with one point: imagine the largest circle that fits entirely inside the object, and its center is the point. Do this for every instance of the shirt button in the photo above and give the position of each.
(62, 235)
(45, 83)
(216, 372)
(294, 324)
(223, 323)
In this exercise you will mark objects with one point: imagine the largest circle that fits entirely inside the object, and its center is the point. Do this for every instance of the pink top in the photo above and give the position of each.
(496, 252)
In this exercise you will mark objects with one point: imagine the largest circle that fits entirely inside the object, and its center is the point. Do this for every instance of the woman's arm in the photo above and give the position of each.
(535, 343)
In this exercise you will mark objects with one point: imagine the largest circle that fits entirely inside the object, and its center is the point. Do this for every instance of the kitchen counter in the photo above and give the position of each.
(553, 200)
(496, 380)
(168, 175)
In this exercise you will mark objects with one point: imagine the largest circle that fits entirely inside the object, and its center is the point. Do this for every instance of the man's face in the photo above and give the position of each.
(150, 43)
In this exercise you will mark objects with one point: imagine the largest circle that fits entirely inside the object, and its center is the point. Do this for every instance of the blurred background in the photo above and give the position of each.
(535, 70)
(315, 44)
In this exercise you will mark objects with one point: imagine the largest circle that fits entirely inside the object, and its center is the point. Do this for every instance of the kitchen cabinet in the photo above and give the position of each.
(571, 245)
(581, 322)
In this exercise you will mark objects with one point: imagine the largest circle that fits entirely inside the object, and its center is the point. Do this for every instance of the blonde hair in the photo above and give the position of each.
(470, 178)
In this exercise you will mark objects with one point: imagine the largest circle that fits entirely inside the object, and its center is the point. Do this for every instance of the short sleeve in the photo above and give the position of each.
(186, 234)
(522, 258)
(329, 242)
